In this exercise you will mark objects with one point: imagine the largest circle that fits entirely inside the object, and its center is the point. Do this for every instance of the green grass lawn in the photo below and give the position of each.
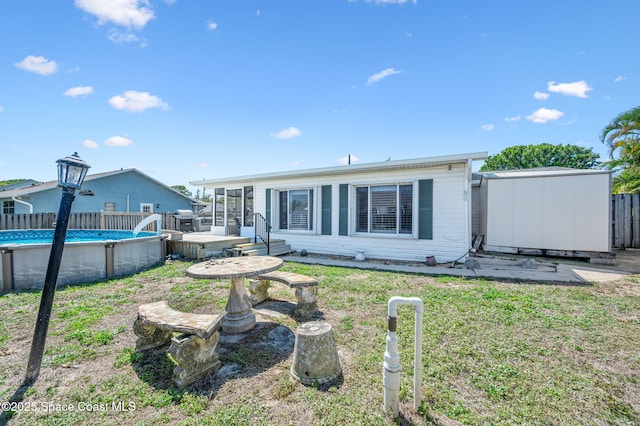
(493, 353)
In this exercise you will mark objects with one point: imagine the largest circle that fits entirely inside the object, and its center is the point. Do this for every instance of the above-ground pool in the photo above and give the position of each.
(89, 255)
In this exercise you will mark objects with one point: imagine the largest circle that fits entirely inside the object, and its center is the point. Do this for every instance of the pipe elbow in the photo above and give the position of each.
(399, 300)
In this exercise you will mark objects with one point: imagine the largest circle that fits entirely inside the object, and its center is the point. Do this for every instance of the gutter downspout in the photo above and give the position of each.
(391, 365)
(16, 199)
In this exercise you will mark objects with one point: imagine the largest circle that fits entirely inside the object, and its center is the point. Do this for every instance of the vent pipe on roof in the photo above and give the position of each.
(16, 199)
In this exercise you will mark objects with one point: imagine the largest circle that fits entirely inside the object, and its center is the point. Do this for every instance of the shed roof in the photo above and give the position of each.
(541, 172)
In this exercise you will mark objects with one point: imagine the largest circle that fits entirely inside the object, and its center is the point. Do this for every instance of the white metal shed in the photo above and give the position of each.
(546, 208)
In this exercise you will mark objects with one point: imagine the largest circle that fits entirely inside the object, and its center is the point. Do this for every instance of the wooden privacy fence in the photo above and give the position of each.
(625, 217)
(96, 220)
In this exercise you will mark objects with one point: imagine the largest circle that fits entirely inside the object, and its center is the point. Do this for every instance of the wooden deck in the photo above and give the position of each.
(200, 245)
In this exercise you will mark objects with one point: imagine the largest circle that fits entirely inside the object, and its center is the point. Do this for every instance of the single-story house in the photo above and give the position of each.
(127, 190)
(543, 209)
(403, 209)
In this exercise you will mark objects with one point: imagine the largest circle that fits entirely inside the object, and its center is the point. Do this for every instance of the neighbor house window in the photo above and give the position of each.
(146, 208)
(8, 207)
(248, 206)
(296, 209)
(384, 209)
(109, 206)
(219, 207)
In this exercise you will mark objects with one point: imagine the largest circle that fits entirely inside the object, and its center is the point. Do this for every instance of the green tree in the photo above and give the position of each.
(182, 189)
(622, 136)
(542, 155)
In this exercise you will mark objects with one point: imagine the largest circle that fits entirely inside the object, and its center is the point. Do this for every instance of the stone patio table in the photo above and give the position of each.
(239, 317)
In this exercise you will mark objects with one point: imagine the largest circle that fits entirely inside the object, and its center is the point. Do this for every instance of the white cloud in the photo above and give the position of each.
(382, 74)
(134, 101)
(541, 96)
(202, 164)
(295, 163)
(88, 143)
(620, 78)
(345, 160)
(487, 127)
(1, 109)
(118, 37)
(212, 26)
(258, 12)
(544, 115)
(291, 132)
(578, 88)
(118, 141)
(38, 65)
(126, 13)
(513, 119)
(74, 92)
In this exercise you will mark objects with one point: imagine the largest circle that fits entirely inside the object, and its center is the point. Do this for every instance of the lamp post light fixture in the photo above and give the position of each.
(71, 173)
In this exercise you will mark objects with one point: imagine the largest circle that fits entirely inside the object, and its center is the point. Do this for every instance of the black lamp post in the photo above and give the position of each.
(71, 173)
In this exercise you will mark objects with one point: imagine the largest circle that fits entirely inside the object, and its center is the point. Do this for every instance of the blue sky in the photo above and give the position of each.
(185, 90)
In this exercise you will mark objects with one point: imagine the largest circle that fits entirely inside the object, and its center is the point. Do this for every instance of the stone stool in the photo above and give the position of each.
(315, 358)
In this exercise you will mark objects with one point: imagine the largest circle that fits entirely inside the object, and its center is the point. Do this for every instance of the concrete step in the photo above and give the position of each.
(277, 247)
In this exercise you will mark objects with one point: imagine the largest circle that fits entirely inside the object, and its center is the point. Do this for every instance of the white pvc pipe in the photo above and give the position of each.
(391, 366)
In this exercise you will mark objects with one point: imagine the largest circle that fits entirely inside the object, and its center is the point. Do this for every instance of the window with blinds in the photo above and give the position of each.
(295, 209)
(384, 209)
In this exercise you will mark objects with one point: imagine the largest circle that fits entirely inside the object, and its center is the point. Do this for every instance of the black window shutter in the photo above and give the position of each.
(425, 209)
(267, 206)
(343, 224)
(326, 209)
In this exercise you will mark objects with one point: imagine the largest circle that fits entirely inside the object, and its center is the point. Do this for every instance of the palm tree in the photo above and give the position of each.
(622, 136)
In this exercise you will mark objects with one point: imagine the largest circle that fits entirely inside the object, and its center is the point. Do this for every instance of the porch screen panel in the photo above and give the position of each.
(425, 209)
(326, 209)
(219, 207)
(343, 223)
(248, 206)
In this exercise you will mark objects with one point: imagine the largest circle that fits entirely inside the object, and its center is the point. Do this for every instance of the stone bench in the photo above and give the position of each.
(194, 350)
(306, 290)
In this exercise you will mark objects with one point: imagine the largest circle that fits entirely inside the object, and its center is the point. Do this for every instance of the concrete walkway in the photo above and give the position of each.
(493, 267)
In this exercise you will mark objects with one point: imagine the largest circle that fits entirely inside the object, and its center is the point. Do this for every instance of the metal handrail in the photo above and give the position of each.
(262, 230)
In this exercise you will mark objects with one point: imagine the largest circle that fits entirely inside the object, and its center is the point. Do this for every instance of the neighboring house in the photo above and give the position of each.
(19, 184)
(556, 208)
(404, 210)
(126, 190)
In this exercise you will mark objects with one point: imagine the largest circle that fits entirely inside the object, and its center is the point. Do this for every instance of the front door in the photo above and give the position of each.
(234, 211)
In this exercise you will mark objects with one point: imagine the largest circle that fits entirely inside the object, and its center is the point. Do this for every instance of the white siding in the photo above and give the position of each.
(451, 216)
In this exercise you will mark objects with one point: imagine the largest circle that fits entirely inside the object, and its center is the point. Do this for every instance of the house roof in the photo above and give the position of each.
(541, 172)
(44, 186)
(415, 163)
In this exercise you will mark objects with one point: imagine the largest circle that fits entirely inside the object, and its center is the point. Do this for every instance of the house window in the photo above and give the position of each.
(219, 207)
(296, 210)
(384, 209)
(248, 206)
(8, 207)
(146, 207)
(109, 206)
